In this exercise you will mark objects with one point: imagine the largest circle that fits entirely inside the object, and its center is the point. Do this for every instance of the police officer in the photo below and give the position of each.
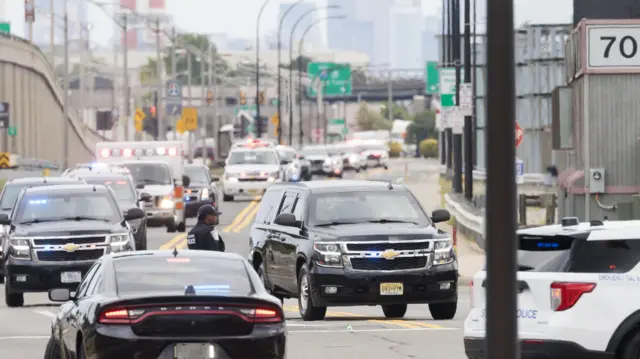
(203, 235)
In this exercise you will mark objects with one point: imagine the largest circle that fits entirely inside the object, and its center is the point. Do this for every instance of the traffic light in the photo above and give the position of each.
(261, 98)
(153, 112)
(243, 98)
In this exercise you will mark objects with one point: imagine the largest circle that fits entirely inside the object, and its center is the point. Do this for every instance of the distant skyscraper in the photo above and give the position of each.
(406, 35)
(313, 36)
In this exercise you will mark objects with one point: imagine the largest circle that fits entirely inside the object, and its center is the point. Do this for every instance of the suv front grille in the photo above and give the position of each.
(63, 241)
(387, 255)
(79, 255)
(383, 246)
(381, 264)
(71, 248)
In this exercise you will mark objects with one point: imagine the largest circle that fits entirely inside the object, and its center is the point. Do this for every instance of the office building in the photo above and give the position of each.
(312, 39)
(406, 24)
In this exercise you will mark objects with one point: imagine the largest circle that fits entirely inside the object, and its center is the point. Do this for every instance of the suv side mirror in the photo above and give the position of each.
(440, 215)
(284, 162)
(145, 197)
(286, 220)
(4, 219)
(59, 295)
(134, 213)
(186, 181)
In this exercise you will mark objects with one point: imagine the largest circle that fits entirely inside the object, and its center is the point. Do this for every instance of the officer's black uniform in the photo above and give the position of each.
(203, 236)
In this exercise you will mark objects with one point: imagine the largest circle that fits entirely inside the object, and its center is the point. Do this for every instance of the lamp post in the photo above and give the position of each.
(284, 16)
(293, 30)
(264, 5)
(300, 54)
(65, 123)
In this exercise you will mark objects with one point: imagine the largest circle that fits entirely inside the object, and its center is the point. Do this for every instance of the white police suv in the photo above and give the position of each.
(578, 290)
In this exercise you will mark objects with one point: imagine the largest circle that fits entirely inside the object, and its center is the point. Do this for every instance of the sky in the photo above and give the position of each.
(238, 18)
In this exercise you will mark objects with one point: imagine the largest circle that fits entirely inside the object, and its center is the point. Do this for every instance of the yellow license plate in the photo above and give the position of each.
(391, 288)
(253, 191)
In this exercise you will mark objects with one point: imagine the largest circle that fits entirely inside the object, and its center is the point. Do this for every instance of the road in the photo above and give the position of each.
(347, 332)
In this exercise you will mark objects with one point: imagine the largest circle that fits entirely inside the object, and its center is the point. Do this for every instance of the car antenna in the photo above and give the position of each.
(190, 290)
(94, 188)
(390, 186)
(175, 251)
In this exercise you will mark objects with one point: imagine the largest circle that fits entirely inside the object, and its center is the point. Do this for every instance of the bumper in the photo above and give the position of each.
(361, 288)
(159, 215)
(41, 276)
(265, 342)
(546, 349)
(192, 207)
(246, 188)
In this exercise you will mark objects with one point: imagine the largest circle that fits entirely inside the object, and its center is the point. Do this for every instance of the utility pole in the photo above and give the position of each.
(457, 138)
(189, 85)
(160, 108)
(114, 105)
(468, 121)
(81, 73)
(448, 132)
(443, 60)
(125, 78)
(65, 123)
(389, 97)
(174, 72)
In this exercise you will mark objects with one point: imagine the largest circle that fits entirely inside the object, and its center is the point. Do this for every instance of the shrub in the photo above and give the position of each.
(395, 149)
(429, 148)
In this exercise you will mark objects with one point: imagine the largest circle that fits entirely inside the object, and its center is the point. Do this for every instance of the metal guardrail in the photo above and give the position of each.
(529, 178)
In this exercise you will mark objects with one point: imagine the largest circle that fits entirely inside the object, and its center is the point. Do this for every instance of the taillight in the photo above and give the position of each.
(115, 316)
(564, 295)
(263, 315)
(471, 293)
(124, 315)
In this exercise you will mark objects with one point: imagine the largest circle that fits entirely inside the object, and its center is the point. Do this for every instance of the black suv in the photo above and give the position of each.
(201, 189)
(346, 243)
(56, 233)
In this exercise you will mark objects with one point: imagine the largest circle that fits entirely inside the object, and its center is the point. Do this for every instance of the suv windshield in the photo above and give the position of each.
(259, 157)
(169, 274)
(125, 193)
(150, 173)
(54, 206)
(11, 192)
(197, 175)
(364, 207)
(287, 155)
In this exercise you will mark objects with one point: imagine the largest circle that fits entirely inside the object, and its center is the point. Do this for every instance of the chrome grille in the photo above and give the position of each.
(381, 264)
(388, 256)
(69, 248)
(64, 240)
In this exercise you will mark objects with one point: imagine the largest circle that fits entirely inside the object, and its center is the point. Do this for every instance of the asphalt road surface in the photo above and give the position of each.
(347, 332)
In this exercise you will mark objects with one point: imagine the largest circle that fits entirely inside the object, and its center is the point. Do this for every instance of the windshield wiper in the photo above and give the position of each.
(390, 221)
(76, 218)
(335, 223)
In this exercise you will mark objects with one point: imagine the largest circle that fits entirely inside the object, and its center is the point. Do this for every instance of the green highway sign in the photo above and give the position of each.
(12, 131)
(336, 77)
(337, 126)
(252, 109)
(448, 86)
(5, 27)
(432, 78)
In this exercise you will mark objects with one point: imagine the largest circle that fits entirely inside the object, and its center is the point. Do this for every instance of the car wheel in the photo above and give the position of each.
(385, 167)
(443, 311)
(12, 299)
(81, 352)
(52, 351)
(182, 227)
(308, 311)
(227, 198)
(171, 226)
(261, 273)
(394, 311)
(630, 347)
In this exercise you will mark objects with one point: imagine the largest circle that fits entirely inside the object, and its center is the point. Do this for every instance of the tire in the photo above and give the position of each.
(143, 242)
(385, 167)
(263, 279)
(630, 347)
(52, 351)
(171, 226)
(443, 311)
(394, 311)
(81, 352)
(308, 311)
(12, 300)
(182, 227)
(227, 198)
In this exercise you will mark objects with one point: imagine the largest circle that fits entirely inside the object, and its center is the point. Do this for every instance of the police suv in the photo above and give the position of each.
(577, 290)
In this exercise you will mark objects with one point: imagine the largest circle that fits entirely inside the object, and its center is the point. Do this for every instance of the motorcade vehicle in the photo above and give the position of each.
(206, 305)
(250, 170)
(575, 282)
(9, 195)
(375, 152)
(202, 189)
(323, 162)
(296, 167)
(349, 243)
(57, 233)
(350, 155)
(127, 198)
(157, 168)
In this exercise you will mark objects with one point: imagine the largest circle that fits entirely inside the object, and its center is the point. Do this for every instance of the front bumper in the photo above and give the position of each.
(160, 215)
(265, 342)
(246, 188)
(192, 207)
(41, 276)
(363, 288)
(537, 349)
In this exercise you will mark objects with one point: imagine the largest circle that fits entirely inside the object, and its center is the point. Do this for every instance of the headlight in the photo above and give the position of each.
(19, 248)
(354, 159)
(328, 254)
(120, 242)
(337, 161)
(204, 194)
(443, 253)
(231, 177)
(167, 203)
(274, 176)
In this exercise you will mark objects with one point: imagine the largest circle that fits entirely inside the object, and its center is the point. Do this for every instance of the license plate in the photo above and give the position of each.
(391, 288)
(253, 191)
(71, 277)
(193, 351)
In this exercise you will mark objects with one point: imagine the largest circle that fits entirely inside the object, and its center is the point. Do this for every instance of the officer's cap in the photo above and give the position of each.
(207, 210)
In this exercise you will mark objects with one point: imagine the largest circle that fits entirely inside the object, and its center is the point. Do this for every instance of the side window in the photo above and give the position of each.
(270, 201)
(84, 285)
(298, 208)
(96, 284)
(287, 204)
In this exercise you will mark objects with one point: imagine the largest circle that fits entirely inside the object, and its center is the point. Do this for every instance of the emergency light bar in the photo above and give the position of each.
(138, 152)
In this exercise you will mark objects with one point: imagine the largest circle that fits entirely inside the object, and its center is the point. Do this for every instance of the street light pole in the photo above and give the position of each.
(279, 97)
(457, 137)
(160, 113)
(264, 5)
(125, 77)
(468, 122)
(65, 123)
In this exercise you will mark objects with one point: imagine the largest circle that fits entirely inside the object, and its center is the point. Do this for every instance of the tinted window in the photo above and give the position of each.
(270, 201)
(123, 189)
(11, 192)
(197, 175)
(618, 256)
(60, 206)
(84, 285)
(169, 274)
(150, 173)
(365, 206)
(298, 209)
(253, 157)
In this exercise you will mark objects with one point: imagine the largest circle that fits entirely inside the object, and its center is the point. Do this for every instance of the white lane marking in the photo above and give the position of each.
(25, 337)
(45, 313)
(298, 324)
(370, 330)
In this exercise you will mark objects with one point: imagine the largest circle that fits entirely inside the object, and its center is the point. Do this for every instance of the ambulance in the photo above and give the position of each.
(157, 169)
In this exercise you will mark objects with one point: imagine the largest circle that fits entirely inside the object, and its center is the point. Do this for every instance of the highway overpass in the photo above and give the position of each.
(28, 83)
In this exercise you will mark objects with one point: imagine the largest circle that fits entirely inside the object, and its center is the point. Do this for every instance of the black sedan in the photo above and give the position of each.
(162, 304)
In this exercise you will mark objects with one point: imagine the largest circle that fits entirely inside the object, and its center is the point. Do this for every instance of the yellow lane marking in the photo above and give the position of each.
(247, 220)
(409, 324)
(174, 241)
(240, 216)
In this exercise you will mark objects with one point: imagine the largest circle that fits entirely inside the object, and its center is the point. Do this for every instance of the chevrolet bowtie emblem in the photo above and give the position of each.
(70, 247)
(390, 254)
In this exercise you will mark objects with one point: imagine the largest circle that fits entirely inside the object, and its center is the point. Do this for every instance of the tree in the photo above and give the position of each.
(369, 120)
(358, 77)
(422, 127)
(399, 113)
(302, 61)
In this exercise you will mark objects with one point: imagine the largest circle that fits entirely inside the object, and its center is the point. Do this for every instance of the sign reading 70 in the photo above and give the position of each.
(627, 46)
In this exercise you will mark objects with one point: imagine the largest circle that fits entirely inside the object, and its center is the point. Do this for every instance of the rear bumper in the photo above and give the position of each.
(249, 188)
(537, 349)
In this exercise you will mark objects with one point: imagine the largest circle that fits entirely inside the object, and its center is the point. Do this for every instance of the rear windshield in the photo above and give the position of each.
(219, 276)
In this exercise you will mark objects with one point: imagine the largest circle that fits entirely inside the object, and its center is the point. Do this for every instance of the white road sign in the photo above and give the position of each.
(613, 47)
(456, 121)
(448, 81)
(466, 99)
(519, 171)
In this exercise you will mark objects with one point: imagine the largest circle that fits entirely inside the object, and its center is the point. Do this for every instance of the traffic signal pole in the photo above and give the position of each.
(468, 121)
(457, 138)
